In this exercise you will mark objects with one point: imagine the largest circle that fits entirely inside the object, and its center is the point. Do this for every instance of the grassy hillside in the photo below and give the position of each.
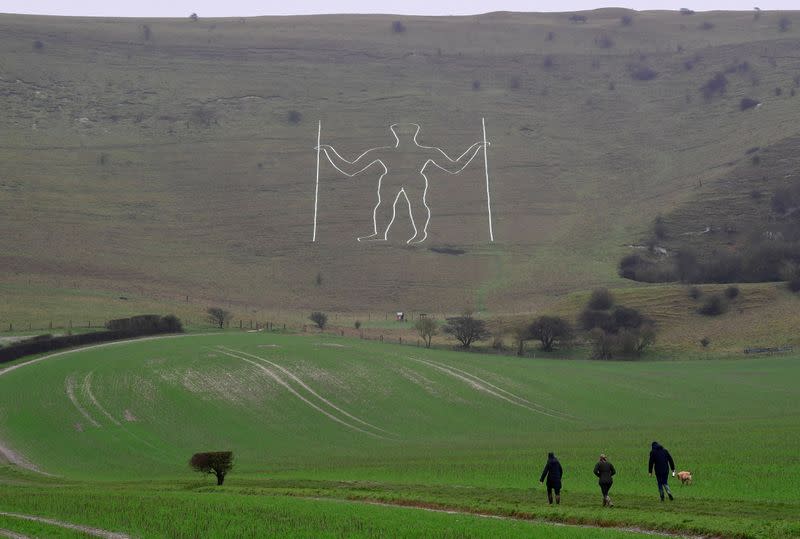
(340, 418)
(159, 153)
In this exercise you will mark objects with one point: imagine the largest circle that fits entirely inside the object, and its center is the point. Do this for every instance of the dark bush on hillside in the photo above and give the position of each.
(193, 17)
(714, 306)
(294, 117)
(590, 319)
(626, 318)
(629, 264)
(320, 319)
(38, 45)
(704, 342)
(476, 85)
(642, 72)
(686, 11)
(732, 292)
(398, 27)
(202, 117)
(578, 18)
(778, 91)
(707, 25)
(626, 20)
(748, 103)
(604, 42)
(548, 62)
(717, 85)
(600, 300)
(551, 36)
(514, 83)
(784, 24)
(146, 324)
(147, 33)
(695, 293)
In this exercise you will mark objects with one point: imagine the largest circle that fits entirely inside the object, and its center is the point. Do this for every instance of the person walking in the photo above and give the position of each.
(604, 471)
(661, 461)
(552, 472)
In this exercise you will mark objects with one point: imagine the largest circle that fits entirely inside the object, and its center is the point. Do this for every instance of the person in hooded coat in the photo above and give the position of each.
(661, 461)
(604, 471)
(552, 472)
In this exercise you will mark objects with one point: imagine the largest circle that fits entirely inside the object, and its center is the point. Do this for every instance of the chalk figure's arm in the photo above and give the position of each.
(457, 159)
(348, 167)
(454, 166)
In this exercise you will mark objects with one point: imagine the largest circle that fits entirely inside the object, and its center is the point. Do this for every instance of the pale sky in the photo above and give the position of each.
(249, 8)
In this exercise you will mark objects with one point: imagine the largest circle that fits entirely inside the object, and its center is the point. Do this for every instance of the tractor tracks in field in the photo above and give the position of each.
(436, 508)
(19, 460)
(301, 390)
(88, 530)
(484, 386)
(12, 535)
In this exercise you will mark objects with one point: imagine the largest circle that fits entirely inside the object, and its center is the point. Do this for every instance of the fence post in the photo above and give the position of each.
(381, 338)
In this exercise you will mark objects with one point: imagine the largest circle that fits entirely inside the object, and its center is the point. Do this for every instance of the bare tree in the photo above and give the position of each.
(521, 331)
(466, 329)
(218, 316)
(319, 319)
(427, 328)
(550, 330)
(218, 463)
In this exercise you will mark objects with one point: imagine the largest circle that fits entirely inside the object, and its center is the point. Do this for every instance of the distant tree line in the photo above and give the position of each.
(123, 328)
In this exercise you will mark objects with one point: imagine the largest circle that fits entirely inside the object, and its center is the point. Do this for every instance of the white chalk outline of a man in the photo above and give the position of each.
(340, 163)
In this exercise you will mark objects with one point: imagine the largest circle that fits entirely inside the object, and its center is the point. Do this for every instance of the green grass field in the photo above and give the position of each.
(321, 424)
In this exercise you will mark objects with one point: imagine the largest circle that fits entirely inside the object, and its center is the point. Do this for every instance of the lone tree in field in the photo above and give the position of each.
(218, 463)
(550, 330)
(218, 316)
(466, 329)
(319, 319)
(427, 328)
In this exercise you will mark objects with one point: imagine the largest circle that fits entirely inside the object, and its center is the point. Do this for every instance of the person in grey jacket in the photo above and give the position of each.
(604, 471)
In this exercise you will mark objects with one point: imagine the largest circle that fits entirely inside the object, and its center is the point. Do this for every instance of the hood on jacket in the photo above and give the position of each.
(551, 456)
(656, 445)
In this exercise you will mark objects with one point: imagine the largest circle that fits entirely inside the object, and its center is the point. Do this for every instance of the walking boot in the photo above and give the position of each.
(558, 500)
(610, 503)
(605, 501)
(670, 496)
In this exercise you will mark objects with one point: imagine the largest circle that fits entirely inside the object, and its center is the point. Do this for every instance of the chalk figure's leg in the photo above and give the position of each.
(384, 212)
(418, 209)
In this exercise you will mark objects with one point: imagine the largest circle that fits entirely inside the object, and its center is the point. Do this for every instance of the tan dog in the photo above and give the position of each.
(685, 477)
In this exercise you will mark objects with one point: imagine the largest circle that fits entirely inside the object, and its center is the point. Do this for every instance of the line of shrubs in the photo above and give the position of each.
(122, 328)
(765, 262)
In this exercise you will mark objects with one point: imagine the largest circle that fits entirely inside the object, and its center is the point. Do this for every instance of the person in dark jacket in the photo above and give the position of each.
(604, 471)
(552, 471)
(661, 462)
